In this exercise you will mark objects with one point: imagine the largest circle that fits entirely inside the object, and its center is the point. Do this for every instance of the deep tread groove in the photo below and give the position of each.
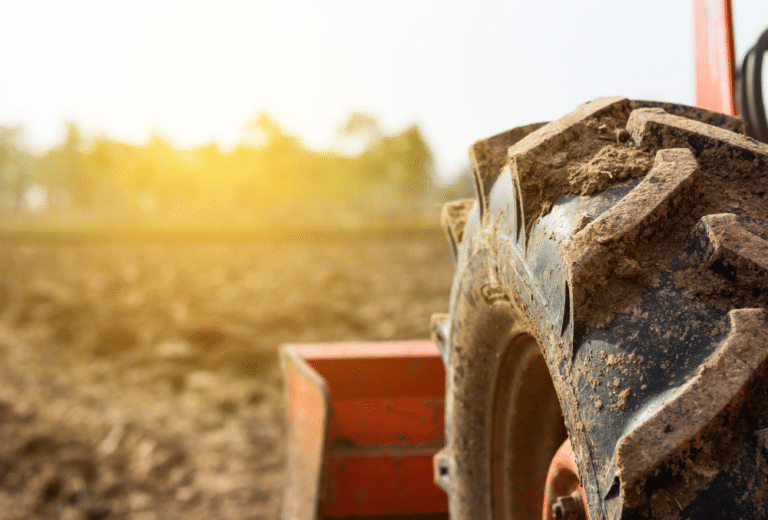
(718, 389)
(594, 253)
(721, 240)
(488, 156)
(653, 128)
(454, 218)
(566, 310)
(730, 123)
(518, 212)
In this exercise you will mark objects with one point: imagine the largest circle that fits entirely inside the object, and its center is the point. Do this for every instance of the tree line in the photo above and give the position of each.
(276, 179)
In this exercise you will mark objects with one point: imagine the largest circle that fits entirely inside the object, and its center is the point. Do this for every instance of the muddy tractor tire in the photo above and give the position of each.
(610, 289)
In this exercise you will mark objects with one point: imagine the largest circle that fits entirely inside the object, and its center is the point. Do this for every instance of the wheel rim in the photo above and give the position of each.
(527, 431)
(563, 489)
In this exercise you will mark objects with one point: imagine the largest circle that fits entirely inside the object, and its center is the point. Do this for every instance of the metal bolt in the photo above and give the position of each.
(568, 508)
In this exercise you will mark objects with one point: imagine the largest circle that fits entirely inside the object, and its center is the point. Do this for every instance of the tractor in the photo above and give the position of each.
(605, 353)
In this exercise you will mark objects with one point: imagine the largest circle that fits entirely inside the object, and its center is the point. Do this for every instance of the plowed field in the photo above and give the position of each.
(139, 380)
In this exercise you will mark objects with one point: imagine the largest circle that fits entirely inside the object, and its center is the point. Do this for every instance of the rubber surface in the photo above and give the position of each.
(629, 240)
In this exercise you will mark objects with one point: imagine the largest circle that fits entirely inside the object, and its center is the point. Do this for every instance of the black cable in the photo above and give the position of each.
(749, 90)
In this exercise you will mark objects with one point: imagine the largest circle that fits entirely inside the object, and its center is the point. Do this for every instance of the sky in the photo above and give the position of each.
(199, 71)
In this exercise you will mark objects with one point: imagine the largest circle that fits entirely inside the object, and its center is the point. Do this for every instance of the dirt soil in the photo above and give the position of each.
(140, 380)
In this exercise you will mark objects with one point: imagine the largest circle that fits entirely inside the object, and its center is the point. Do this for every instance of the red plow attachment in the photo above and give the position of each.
(364, 421)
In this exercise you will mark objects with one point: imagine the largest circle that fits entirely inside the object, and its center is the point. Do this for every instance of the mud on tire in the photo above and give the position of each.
(611, 287)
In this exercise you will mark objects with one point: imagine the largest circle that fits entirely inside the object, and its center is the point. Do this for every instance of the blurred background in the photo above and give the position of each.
(186, 185)
(267, 112)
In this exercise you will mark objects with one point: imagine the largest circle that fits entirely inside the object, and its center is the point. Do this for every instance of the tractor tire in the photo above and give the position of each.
(611, 288)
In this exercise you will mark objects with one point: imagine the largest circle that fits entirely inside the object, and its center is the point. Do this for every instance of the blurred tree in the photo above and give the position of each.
(272, 132)
(400, 166)
(15, 168)
(361, 123)
(413, 153)
(103, 170)
(75, 178)
(279, 164)
(273, 175)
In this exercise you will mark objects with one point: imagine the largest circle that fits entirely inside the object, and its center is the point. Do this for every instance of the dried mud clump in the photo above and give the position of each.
(612, 163)
(585, 156)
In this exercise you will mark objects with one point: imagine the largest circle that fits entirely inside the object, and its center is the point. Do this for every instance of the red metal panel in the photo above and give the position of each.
(382, 377)
(367, 350)
(715, 62)
(385, 422)
(400, 420)
(308, 405)
(383, 485)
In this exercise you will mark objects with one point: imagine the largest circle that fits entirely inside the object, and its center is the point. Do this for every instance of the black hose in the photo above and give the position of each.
(749, 90)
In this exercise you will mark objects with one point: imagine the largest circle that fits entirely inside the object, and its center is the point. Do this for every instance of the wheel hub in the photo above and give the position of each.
(563, 495)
